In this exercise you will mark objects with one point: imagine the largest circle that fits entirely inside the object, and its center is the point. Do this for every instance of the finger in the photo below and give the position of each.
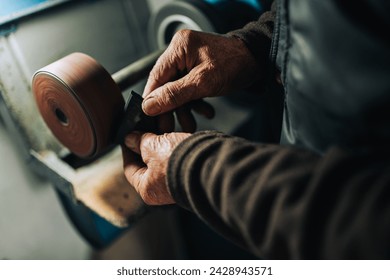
(166, 122)
(134, 174)
(172, 95)
(203, 108)
(163, 71)
(134, 168)
(186, 119)
(129, 156)
(132, 141)
(149, 146)
(167, 68)
(144, 144)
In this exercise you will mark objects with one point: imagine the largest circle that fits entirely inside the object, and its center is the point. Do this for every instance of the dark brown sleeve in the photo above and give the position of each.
(282, 202)
(257, 36)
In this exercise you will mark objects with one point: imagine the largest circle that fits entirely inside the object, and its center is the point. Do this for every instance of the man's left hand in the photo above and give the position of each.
(146, 162)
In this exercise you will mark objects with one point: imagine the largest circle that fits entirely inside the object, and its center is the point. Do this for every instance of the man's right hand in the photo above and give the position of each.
(196, 65)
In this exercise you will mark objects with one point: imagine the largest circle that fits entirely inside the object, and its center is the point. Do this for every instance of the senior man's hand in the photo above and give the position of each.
(146, 162)
(196, 65)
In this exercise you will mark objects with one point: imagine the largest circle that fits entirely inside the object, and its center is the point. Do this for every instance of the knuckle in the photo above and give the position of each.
(182, 35)
(167, 140)
(147, 142)
(185, 39)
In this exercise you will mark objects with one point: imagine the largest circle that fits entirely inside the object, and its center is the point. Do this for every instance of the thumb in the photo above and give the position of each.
(133, 140)
(172, 95)
(143, 144)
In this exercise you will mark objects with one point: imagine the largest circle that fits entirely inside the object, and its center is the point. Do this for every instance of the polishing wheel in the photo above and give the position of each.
(82, 103)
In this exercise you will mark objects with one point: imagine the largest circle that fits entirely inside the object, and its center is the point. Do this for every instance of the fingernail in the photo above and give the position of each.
(151, 106)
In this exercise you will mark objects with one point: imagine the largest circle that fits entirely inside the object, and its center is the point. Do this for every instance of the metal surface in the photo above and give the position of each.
(33, 224)
(136, 71)
(39, 40)
(176, 15)
(12, 10)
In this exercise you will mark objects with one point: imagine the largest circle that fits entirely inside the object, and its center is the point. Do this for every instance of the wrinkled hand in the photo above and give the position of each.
(146, 162)
(196, 65)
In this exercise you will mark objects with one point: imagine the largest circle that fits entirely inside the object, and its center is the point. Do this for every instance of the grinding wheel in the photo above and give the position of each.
(209, 16)
(80, 103)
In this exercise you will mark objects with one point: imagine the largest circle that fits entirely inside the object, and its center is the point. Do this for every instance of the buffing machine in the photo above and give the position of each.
(74, 113)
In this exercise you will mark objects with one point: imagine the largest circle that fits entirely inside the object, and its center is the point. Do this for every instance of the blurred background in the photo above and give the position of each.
(39, 215)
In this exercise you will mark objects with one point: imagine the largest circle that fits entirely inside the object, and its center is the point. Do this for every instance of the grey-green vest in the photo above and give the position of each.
(334, 56)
